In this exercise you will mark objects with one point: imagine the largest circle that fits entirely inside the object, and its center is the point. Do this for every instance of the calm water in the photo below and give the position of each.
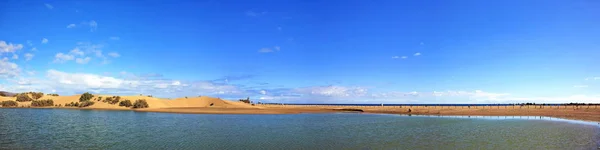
(89, 129)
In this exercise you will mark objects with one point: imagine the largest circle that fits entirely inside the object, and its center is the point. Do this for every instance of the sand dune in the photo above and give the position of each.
(191, 102)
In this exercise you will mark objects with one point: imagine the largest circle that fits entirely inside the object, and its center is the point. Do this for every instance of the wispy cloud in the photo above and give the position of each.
(49, 6)
(592, 78)
(269, 50)
(44, 40)
(9, 47)
(28, 56)
(255, 14)
(92, 24)
(417, 54)
(15, 56)
(114, 54)
(71, 26)
(83, 60)
(396, 57)
(580, 86)
(61, 57)
(8, 69)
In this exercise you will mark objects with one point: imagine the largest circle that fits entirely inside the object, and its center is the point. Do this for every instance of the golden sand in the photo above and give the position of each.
(210, 105)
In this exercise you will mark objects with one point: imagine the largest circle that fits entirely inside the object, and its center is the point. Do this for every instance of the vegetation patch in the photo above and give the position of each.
(42, 103)
(86, 103)
(52, 94)
(85, 97)
(112, 100)
(126, 103)
(140, 103)
(23, 97)
(9, 104)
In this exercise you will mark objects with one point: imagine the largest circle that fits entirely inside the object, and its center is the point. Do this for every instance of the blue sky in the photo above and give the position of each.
(350, 51)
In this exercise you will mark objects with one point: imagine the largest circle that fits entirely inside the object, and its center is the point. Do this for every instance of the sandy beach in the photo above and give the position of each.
(211, 105)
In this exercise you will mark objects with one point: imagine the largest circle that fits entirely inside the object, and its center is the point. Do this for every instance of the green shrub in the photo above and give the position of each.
(72, 104)
(9, 104)
(140, 103)
(112, 100)
(23, 97)
(42, 103)
(126, 103)
(86, 104)
(37, 95)
(85, 97)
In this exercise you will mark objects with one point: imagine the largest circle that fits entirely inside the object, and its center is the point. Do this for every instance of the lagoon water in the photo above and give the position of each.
(93, 129)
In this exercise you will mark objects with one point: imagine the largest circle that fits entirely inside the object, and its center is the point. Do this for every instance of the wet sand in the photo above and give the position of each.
(569, 112)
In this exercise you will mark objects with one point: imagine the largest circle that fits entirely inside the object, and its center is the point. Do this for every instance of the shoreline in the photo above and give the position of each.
(577, 114)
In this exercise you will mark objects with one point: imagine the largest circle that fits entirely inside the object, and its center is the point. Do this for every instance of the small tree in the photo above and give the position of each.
(23, 98)
(140, 103)
(85, 97)
(126, 103)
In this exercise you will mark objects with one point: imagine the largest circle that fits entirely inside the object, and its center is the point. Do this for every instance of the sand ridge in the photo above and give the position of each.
(154, 103)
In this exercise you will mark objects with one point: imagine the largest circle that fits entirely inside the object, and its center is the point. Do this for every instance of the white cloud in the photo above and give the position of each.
(580, 86)
(263, 92)
(83, 60)
(9, 47)
(265, 50)
(269, 50)
(28, 56)
(34, 49)
(15, 56)
(44, 40)
(592, 78)
(115, 38)
(176, 83)
(61, 58)
(417, 54)
(93, 25)
(71, 25)
(332, 91)
(395, 57)
(76, 51)
(114, 54)
(8, 69)
(48, 6)
(403, 57)
(255, 14)
(83, 80)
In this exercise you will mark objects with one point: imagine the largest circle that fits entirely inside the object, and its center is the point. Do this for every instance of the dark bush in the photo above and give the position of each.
(72, 104)
(86, 104)
(52, 94)
(247, 100)
(9, 104)
(140, 103)
(23, 97)
(85, 97)
(37, 95)
(149, 95)
(126, 103)
(42, 103)
(112, 100)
